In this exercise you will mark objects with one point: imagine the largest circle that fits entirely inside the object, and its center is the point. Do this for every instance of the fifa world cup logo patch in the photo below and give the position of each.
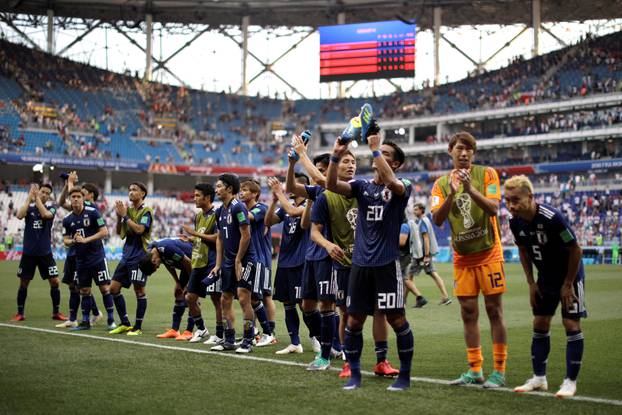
(351, 216)
(464, 206)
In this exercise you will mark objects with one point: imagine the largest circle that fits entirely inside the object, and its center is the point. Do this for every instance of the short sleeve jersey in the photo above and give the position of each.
(260, 235)
(380, 216)
(87, 223)
(294, 241)
(172, 250)
(38, 231)
(492, 190)
(314, 251)
(71, 250)
(546, 238)
(229, 219)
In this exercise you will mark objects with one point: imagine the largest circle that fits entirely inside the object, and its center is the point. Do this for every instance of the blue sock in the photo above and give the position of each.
(141, 308)
(74, 303)
(272, 324)
(405, 350)
(55, 295)
(327, 332)
(109, 304)
(119, 303)
(574, 353)
(381, 349)
(249, 331)
(312, 321)
(220, 329)
(336, 341)
(292, 322)
(178, 313)
(198, 321)
(94, 309)
(540, 348)
(190, 324)
(22, 293)
(353, 349)
(229, 333)
(262, 317)
(86, 309)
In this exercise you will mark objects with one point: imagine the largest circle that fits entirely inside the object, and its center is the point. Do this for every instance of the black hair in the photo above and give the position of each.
(91, 188)
(146, 266)
(207, 190)
(302, 176)
(398, 153)
(141, 185)
(322, 159)
(49, 186)
(231, 180)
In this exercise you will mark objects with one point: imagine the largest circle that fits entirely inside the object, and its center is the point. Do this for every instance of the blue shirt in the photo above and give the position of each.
(172, 250)
(260, 238)
(405, 230)
(314, 251)
(87, 223)
(546, 238)
(38, 231)
(71, 251)
(380, 217)
(134, 250)
(294, 241)
(229, 220)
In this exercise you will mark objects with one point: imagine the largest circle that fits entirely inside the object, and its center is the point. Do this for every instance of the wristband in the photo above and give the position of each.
(126, 218)
(376, 153)
(334, 159)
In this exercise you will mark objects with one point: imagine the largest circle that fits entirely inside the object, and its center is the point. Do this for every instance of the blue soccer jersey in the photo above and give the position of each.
(294, 241)
(546, 238)
(229, 219)
(87, 223)
(71, 251)
(172, 250)
(38, 231)
(134, 248)
(314, 251)
(380, 216)
(260, 235)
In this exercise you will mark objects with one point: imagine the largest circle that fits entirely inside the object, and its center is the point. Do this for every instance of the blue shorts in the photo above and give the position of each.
(342, 275)
(376, 288)
(287, 284)
(98, 273)
(317, 280)
(69, 270)
(230, 283)
(266, 280)
(128, 274)
(251, 279)
(546, 305)
(29, 264)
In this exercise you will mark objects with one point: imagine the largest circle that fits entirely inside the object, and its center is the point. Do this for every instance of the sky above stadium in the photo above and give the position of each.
(213, 62)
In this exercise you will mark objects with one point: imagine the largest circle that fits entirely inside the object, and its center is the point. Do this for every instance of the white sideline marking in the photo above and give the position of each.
(288, 363)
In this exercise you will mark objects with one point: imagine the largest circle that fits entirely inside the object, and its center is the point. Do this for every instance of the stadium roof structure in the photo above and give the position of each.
(316, 13)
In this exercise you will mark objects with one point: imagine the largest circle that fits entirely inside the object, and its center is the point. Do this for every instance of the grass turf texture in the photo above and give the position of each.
(50, 373)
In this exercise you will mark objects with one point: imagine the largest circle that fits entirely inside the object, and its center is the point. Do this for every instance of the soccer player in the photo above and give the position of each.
(426, 247)
(292, 251)
(235, 260)
(38, 213)
(133, 225)
(261, 239)
(545, 240)
(84, 228)
(375, 280)
(468, 198)
(175, 253)
(203, 261)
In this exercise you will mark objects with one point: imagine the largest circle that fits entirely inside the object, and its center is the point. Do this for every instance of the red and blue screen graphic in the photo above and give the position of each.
(376, 50)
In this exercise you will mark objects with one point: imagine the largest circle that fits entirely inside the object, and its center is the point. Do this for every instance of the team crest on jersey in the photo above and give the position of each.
(229, 219)
(386, 194)
(86, 222)
(351, 216)
(541, 235)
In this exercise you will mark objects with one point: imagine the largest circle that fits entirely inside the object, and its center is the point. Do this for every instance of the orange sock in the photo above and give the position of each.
(500, 355)
(475, 358)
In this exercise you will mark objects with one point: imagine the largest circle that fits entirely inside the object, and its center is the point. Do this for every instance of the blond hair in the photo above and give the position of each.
(519, 182)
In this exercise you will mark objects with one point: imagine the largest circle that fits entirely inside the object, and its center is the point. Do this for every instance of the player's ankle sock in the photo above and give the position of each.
(574, 353)
(540, 348)
(190, 324)
(500, 356)
(381, 349)
(22, 293)
(119, 303)
(178, 313)
(55, 295)
(249, 330)
(272, 324)
(198, 321)
(327, 332)
(405, 349)
(262, 317)
(141, 308)
(230, 335)
(109, 304)
(292, 322)
(94, 309)
(220, 329)
(354, 348)
(312, 321)
(86, 308)
(74, 303)
(475, 358)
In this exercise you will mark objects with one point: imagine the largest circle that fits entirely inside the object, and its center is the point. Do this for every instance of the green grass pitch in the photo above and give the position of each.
(43, 372)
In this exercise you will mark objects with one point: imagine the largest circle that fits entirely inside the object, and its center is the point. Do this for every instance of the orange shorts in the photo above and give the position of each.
(489, 278)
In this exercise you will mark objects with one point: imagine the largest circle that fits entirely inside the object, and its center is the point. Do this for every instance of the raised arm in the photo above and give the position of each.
(69, 184)
(332, 180)
(305, 221)
(386, 174)
(43, 211)
(290, 181)
(23, 210)
(286, 205)
(271, 217)
(307, 163)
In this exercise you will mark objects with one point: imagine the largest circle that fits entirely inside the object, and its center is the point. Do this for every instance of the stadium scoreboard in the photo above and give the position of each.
(375, 50)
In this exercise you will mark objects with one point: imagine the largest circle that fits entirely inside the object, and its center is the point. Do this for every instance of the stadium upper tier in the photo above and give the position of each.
(54, 106)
